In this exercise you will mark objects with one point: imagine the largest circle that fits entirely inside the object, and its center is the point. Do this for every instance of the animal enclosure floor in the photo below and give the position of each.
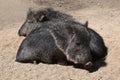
(103, 17)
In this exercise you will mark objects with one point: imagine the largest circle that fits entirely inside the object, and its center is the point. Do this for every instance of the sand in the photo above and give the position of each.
(103, 17)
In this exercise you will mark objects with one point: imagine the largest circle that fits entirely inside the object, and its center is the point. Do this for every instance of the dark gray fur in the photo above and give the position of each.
(39, 46)
(36, 47)
(73, 40)
(35, 20)
(40, 16)
(97, 47)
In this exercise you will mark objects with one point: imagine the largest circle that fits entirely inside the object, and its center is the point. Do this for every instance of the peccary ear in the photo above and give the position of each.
(60, 41)
(42, 18)
(86, 24)
(36, 15)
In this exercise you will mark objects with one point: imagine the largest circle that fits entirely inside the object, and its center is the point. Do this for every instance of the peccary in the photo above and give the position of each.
(75, 48)
(35, 19)
(97, 47)
(40, 16)
(73, 39)
(39, 46)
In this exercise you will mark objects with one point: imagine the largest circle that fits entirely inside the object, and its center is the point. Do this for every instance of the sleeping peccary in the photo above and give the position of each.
(39, 46)
(97, 46)
(76, 41)
(35, 19)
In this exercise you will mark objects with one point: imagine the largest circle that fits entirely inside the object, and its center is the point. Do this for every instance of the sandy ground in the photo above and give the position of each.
(103, 16)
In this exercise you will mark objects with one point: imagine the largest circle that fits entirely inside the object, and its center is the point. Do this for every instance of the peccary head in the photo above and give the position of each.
(40, 16)
(31, 23)
(74, 42)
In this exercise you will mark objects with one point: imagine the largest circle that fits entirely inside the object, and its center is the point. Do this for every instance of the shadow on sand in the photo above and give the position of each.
(96, 65)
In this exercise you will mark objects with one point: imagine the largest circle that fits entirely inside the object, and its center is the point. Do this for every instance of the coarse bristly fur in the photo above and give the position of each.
(39, 46)
(97, 47)
(40, 16)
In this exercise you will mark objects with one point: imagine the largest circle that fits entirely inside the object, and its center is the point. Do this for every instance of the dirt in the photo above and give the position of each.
(103, 17)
